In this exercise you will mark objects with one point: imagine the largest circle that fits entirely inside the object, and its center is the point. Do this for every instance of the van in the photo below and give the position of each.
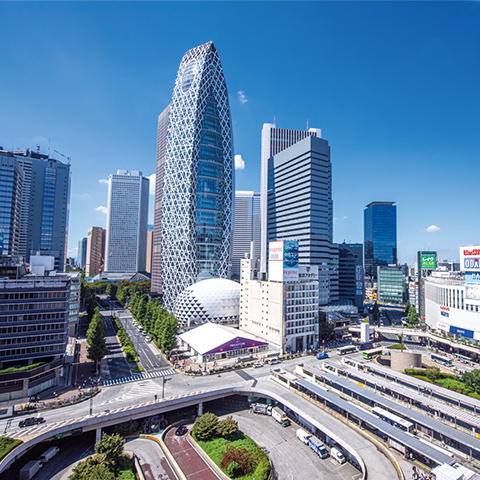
(303, 436)
(337, 455)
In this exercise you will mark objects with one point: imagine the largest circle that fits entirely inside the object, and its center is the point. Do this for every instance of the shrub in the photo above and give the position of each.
(205, 426)
(240, 456)
(227, 428)
(233, 470)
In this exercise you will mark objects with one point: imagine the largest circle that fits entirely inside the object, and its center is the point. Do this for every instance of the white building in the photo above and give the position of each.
(127, 218)
(284, 309)
(452, 299)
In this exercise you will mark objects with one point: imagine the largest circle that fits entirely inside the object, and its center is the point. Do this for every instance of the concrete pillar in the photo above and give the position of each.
(200, 409)
(98, 435)
(25, 387)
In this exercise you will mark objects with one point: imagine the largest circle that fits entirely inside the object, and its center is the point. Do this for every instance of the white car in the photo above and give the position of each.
(257, 365)
(148, 339)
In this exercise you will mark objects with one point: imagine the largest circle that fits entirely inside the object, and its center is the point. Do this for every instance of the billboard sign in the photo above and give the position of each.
(283, 261)
(470, 258)
(472, 278)
(463, 332)
(428, 261)
(472, 293)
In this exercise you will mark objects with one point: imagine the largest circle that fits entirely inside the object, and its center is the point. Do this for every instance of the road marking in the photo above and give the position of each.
(141, 376)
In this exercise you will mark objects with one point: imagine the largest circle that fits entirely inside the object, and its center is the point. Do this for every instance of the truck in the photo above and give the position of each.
(47, 455)
(317, 446)
(30, 469)
(303, 436)
(261, 408)
(279, 415)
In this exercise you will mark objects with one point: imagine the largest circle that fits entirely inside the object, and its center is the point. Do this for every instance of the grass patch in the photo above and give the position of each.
(137, 369)
(216, 447)
(396, 346)
(7, 444)
(22, 369)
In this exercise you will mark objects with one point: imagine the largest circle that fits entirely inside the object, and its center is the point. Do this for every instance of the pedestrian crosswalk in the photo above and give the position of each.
(139, 376)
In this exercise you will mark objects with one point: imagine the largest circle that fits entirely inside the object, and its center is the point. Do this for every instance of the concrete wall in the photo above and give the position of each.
(402, 360)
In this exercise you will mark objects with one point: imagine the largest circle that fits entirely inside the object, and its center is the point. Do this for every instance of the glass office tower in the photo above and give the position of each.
(380, 236)
(197, 203)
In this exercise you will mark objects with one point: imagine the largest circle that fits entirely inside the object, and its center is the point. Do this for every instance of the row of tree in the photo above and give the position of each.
(411, 314)
(97, 347)
(161, 326)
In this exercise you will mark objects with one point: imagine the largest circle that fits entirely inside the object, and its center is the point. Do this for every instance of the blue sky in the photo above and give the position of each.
(394, 86)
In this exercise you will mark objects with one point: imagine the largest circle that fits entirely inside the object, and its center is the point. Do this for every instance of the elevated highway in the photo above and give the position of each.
(362, 452)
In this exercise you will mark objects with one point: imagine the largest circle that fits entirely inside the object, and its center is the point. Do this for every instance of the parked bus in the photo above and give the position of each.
(463, 358)
(346, 350)
(393, 419)
(368, 354)
(442, 360)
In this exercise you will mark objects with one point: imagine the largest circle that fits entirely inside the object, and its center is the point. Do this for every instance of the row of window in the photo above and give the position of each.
(33, 306)
(29, 295)
(15, 352)
(41, 317)
(36, 339)
(32, 328)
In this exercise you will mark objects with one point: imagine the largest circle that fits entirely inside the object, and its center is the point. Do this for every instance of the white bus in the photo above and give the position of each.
(393, 419)
(346, 350)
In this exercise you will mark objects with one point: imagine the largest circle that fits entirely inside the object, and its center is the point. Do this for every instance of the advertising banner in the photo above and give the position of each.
(428, 262)
(283, 261)
(472, 278)
(470, 258)
(472, 293)
(463, 332)
(358, 273)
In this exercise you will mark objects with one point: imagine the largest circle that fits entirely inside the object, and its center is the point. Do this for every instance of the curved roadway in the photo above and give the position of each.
(129, 398)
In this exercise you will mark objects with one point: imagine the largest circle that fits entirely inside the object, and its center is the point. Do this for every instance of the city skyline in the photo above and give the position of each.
(397, 100)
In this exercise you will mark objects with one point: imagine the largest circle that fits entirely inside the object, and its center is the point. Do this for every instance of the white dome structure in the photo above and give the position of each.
(216, 300)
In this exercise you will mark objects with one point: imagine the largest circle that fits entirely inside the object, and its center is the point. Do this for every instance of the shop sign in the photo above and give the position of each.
(463, 332)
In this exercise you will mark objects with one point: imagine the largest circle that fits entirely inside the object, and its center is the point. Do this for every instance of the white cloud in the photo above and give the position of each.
(431, 228)
(152, 178)
(101, 209)
(103, 180)
(239, 162)
(242, 97)
(344, 217)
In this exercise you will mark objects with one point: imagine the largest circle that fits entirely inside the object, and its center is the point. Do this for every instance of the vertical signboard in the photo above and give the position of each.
(428, 261)
(283, 261)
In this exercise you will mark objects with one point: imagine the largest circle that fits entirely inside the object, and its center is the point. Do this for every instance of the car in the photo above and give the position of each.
(31, 421)
(274, 361)
(144, 333)
(181, 430)
(257, 365)
(148, 339)
(322, 355)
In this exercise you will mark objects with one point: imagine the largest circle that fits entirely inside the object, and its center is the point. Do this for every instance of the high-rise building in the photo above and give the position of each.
(95, 257)
(127, 218)
(300, 207)
(11, 186)
(156, 269)
(392, 284)
(82, 252)
(275, 140)
(148, 267)
(380, 236)
(197, 192)
(246, 229)
(45, 206)
(350, 273)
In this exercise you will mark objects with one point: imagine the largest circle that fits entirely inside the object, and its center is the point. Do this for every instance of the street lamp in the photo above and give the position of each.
(163, 385)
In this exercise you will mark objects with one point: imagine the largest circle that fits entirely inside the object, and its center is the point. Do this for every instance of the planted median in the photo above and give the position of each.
(126, 343)
(237, 455)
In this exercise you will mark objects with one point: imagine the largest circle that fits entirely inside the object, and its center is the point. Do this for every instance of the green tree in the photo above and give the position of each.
(412, 316)
(95, 467)
(122, 293)
(112, 447)
(97, 347)
(205, 427)
(142, 308)
(169, 334)
(407, 308)
(228, 427)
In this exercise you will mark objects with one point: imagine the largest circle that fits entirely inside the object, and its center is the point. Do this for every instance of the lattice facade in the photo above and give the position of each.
(197, 201)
